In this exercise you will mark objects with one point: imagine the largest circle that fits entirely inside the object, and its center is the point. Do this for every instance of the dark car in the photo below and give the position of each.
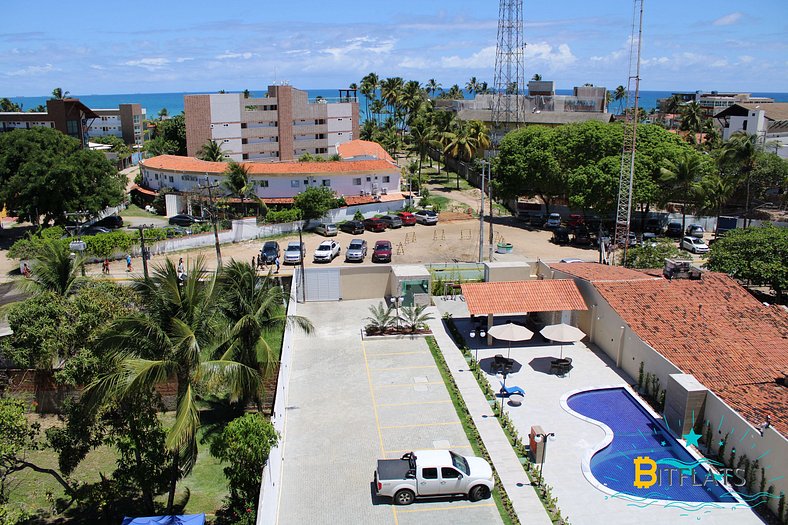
(392, 221)
(112, 222)
(581, 236)
(536, 220)
(375, 225)
(184, 219)
(674, 229)
(270, 251)
(653, 225)
(382, 252)
(352, 227)
(560, 235)
(407, 218)
(95, 230)
(575, 221)
(175, 231)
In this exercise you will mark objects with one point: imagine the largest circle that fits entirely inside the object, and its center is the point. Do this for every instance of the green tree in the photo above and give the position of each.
(692, 121)
(433, 86)
(413, 317)
(55, 270)
(315, 201)
(163, 113)
(45, 173)
(381, 318)
(742, 151)
(472, 86)
(681, 177)
(244, 445)
(59, 94)
(369, 87)
(537, 77)
(648, 256)
(179, 334)
(6, 106)
(118, 146)
(237, 182)
(172, 131)
(620, 95)
(211, 151)
(757, 255)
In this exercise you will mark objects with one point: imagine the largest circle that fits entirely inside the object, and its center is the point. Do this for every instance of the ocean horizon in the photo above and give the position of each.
(173, 102)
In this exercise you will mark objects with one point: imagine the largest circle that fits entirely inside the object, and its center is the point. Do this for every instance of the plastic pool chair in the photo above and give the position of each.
(506, 391)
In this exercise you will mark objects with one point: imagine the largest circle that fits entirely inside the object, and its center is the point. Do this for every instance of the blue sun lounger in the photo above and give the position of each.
(507, 391)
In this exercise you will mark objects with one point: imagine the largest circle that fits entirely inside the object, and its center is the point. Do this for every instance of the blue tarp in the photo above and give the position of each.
(188, 519)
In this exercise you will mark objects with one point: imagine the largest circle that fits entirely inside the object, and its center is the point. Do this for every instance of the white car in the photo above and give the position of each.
(553, 221)
(426, 217)
(326, 251)
(294, 253)
(694, 244)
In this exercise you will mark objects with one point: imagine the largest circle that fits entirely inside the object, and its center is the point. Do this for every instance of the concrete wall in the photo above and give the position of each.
(509, 271)
(365, 282)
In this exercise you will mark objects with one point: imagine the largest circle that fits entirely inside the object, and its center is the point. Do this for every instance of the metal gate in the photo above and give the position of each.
(322, 284)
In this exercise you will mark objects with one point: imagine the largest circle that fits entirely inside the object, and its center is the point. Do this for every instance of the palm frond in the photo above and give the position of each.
(239, 378)
(187, 421)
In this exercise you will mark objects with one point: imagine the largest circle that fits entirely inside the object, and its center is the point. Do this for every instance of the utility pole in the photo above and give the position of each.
(302, 277)
(210, 187)
(79, 246)
(141, 228)
(481, 219)
(489, 192)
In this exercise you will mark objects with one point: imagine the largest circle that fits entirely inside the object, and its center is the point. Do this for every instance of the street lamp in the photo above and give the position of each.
(481, 333)
(539, 438)
(397, 301)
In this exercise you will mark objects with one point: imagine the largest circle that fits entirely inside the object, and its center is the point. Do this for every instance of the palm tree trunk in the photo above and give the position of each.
(173, 482)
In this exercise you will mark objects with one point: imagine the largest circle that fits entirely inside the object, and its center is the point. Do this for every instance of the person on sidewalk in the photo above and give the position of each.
(105, 266)
(276, 262)
(181, 270)
(128, 262)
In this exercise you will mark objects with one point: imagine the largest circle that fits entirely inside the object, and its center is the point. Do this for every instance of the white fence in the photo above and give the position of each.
(268, 503)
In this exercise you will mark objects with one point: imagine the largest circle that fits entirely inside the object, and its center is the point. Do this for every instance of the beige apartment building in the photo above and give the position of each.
(280, 126)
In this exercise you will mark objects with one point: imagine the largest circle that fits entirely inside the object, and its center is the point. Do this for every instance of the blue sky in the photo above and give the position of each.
(91, 47)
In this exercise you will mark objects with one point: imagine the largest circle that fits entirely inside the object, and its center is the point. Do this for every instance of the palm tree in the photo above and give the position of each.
(369, 86)
(380, 320)
(353, 86)
(454, 93)
(742, 150)
(681, 177)
(391, 91)
(433, 86)
(255, 306)
(479, 134)
(55, 270)
(420, 137)
(537, 77)
(714, 191)
(692, 120)
(237, 182)
(377, 107)
(472, 86)
(59, 94)
(211, 151)
(460, 144)
(413, 317)
(176, 336)
(163, 113)
(620, 95)
(246, 93)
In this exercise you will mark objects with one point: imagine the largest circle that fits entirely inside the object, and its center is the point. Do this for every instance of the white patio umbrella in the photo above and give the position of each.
(510, 332)
(563, 333)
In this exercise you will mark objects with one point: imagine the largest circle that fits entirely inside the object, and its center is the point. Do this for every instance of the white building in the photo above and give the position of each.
(769, 122)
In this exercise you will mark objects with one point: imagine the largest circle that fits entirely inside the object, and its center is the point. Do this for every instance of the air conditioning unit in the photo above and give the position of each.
(362, 193)
(384, 191)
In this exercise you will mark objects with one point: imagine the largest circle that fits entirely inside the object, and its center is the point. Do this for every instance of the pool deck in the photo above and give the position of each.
(578, 499)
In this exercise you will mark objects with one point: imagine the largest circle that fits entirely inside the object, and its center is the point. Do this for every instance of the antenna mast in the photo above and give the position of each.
(509, 82)
(626, 176)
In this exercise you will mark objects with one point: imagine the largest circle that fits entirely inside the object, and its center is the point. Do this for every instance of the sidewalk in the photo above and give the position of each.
(525, 501)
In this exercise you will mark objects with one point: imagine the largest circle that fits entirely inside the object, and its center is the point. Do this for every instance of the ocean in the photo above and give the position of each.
(173, 102)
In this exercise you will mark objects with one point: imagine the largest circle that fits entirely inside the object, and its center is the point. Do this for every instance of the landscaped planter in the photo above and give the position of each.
(393, 333)
(504, 247)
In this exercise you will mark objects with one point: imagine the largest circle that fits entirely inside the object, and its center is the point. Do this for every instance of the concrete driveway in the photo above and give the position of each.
(352, 402)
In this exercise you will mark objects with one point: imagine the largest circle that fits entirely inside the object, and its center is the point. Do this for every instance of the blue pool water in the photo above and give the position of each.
(638, 434)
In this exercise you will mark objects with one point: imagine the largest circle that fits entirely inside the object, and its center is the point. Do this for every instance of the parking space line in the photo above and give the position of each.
(403, 368)
(377, 419)
(456, 507)
(451, 447)
(375, 354)
(442, 424)
(400, 385)
(415, 403)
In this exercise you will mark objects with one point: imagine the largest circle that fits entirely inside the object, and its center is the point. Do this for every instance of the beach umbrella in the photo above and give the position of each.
(563, 333)
(510, 332)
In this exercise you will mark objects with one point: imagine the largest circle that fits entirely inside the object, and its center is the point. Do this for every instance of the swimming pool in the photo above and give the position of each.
(637, 434)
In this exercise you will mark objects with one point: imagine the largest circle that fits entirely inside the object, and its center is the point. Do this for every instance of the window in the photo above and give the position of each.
(744, 126)
(369, 179)
(386, 178)
(295, 183)
(449, 473)
(429, 473)
(72, 127)
(171, 179)
(357, 181)
(262, 183)
(326, 182)
(306, 182)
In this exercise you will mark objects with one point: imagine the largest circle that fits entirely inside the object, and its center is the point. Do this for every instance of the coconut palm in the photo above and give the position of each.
(369, 87)
(420, 138)
(211, 151)
(433, 86)
(742, 150)
(620, 96)
(692, 121)
(714, 191)
(255, 306)
(472, 86)
(479, 134)
(413, 317)
(380, 320)
(59, 94)
(55, 270)
(237, 182)
(537, 77)
(176, 336)
(163, 113)
(391, 92)
(460, 144)
(681, 177)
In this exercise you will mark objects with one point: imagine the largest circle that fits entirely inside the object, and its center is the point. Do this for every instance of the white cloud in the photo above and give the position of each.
(727, 19)
(151, 64)
(181, 60)
(485, 57)
(561, 58)
(30, 71)
(746, 59)
(360, 46)
(228, 55)
(414, 63)
(97, 67)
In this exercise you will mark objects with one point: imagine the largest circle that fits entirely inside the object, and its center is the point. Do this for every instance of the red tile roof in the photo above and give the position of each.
(715, 330)
(355, 200)
(192, 165)
(515, 297)
(363, 148)
(600, 272)
(146, 191)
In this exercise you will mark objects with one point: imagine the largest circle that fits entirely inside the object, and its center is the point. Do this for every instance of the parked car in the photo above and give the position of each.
(176, 231)
(381, 252)
(433, 473)
(352, 227)
(375, 225)
(392, 221)
(581, 236)
(326, 251)
(407, 218)
(560, 235)
(95, 230)
(652, 225)
(694, 244)
(673, 229)
(295, 252)
(326, 229)
(649, 239)
(536, 219)
(184, 219)
(696, 230)
(356, 250)
(112, 222)
(553, 221)
(426, 217)
(270, 251)
(575, 221)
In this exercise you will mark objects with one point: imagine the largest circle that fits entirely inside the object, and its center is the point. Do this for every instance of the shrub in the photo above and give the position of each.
(286, 215)
(358, 216)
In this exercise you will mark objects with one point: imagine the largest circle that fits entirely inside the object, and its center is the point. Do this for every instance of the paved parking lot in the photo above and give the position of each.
(352, 402)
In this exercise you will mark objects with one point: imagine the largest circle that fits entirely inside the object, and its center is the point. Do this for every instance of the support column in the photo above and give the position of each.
(489, 325)
(592, 325)
(621, 341)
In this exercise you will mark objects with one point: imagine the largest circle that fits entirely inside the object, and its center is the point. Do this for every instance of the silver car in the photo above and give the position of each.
(294, 253)
(326, 229)
(694, 244)
(356, 250)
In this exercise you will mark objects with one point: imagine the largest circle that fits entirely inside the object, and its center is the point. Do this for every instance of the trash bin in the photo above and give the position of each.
(536, 447)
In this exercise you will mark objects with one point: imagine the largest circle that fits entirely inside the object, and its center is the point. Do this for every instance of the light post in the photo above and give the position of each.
(397, 300)
(539, 438)
(479, 332)
(481, 214)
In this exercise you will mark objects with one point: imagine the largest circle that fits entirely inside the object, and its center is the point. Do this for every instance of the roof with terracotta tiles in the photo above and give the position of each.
(515, 297)
(362, 148)
(192, 165)
(355, 200)
(600, 272)
(715, 330)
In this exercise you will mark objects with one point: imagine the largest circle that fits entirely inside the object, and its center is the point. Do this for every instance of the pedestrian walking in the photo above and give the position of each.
(261, 262)
(181, 270)
(254, 262)
(26, 270)
(128, 262)
(105, 266)
(276, 262)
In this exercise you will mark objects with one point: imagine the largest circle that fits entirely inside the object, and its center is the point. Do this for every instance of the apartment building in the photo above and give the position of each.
(768, 122)
(72, 117)
(281, 126)
(713, 102)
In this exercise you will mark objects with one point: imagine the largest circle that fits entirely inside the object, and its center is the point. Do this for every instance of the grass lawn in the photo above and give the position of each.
(135, 211)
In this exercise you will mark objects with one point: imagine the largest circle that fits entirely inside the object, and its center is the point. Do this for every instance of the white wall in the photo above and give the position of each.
(225, 107)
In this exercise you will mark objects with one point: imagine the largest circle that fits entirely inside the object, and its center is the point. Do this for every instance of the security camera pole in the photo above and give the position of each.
(210, 187)
(141, 228)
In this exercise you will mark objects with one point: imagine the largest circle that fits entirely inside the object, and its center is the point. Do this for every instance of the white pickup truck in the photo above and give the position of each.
(433, 473)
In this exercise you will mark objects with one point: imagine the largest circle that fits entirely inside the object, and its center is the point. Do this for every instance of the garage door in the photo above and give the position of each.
(322, 284)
